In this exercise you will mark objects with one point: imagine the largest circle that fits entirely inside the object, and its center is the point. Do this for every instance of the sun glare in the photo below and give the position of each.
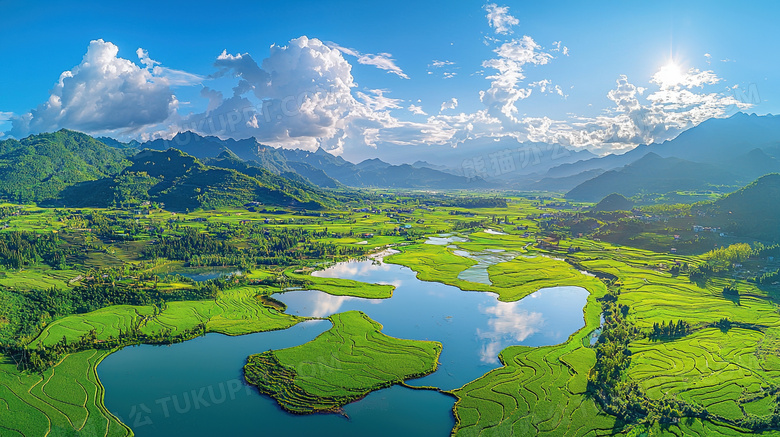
(669, 75)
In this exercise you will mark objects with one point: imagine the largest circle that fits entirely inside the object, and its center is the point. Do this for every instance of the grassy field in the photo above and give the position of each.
(65, 400)
(343, 287)
(234, 312)
(512, 280)
(733, 374)
(538, 391)
(340, 366)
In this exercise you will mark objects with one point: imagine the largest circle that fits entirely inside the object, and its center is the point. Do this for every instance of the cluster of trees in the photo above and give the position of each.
(114, 228)
(608, 383)
(606, 380)
(612, 352)
(475, 202)
(468, 224)
(701, 272)
(678, 268)
(669, 331)
(7, 211)
(41, 358)
(762, 250)
(726, 255)
(105, 287)
(262, 246)
(768, 278)
(191, 243)
(19, 249)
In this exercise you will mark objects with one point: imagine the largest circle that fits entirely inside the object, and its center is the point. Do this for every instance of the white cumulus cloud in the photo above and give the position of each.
(417, 110)
(499, 18)
(449, 104)
(104, 93)
(506, 84)
(303, 95)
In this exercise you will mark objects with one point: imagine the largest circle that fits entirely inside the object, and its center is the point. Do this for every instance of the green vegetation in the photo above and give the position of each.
(689, 341)
(614, 202)
(538, 390)
(751, 211)
(340, 366)
(341, 287)
(66, 399)
(511, 280)
(21, 249)
(182, 182)
(233, 312)
(38, 167)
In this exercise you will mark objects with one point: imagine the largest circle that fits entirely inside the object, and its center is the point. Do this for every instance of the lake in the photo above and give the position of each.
(196, 388)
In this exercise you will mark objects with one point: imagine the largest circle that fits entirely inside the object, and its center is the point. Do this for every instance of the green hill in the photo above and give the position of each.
(753, 211)
(38, 167)
(182, 182)
(653, 174)
(614, 202)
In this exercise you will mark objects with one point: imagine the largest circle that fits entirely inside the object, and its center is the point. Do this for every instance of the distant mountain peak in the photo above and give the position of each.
(228, 154)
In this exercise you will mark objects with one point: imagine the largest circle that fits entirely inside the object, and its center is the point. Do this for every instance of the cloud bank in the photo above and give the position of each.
(303, 95)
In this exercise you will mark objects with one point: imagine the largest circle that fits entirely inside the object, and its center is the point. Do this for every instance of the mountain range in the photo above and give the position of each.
(320, 167)
(718, 155)
(193, 171)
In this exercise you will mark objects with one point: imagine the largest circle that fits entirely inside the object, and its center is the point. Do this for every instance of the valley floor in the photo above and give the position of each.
(711, 378)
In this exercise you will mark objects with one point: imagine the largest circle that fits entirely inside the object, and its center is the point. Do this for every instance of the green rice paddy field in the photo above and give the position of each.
(343, 364)
(64, 400)
(733, 374)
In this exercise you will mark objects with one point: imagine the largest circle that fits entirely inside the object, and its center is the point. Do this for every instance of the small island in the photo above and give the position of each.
(340, 366)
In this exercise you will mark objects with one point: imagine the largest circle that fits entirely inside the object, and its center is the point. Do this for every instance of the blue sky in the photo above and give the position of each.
(576, 73)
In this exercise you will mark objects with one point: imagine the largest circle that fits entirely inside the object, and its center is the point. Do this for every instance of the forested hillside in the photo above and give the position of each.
(38, 167)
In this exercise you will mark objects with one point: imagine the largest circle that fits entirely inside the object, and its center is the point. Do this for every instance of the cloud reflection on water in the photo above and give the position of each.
(324, 305)
(352, 269)
(508, 324)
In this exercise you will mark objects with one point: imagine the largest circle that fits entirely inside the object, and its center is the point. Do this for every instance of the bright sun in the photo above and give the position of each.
(669, 75)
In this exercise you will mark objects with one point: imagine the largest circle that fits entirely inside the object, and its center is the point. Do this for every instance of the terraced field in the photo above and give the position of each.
(720, 371)
(239, 311)
(36, 278)
(524, 275)
(107, 322)
(733, 373)
(340, 366)
(343, 287)
(512, 280)
(234, 312)
(65, 400)
(538, 390)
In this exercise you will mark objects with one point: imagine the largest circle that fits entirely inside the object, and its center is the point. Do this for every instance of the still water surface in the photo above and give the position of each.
(196, 388)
